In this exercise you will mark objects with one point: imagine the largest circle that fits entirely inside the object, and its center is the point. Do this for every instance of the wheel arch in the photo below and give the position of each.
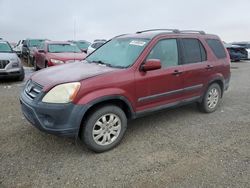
(116, 100)
(218, 81)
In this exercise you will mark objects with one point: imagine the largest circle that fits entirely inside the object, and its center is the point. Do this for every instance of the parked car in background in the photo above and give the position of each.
(10, 64)
(82, 44)
(29, 47)
(52, 53)
(94, 99)
(236, 52)
(18, 48)
(96, 44)
(245, 45)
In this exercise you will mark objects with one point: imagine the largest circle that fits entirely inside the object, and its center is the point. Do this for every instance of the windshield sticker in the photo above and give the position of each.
(137, 43)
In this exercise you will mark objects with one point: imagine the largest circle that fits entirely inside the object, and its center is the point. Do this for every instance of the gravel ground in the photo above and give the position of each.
(174, 148)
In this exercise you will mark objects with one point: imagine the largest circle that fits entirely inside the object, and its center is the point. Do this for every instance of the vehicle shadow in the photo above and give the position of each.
(75, 147)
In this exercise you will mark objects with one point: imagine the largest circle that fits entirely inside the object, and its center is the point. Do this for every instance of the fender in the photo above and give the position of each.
(103, 99)
(217, 77)
(106, 92)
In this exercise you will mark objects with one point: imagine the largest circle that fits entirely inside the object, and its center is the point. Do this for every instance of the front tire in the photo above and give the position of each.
(104, 128)
(35, 65)
(211, 99)
(21, 77)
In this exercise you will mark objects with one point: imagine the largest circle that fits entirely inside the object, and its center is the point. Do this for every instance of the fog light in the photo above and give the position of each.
(47, 121)
(14, 65)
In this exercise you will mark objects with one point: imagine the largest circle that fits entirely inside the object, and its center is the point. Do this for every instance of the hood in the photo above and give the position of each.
(67, 56)
(71, 72)
(8, 56)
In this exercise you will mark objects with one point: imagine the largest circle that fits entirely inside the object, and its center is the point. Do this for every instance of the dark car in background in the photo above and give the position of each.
(82, 44)
(29, 47)
(51, 53)
(245, 45)
(236, 52)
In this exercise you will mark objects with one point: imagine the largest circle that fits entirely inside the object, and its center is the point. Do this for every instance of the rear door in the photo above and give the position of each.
(196, 67)
(160, 87)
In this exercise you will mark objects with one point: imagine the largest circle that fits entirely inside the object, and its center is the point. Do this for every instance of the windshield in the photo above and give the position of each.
(82, 45)
(119, 52)
(35, 43)
(5, 47)
(62, 48)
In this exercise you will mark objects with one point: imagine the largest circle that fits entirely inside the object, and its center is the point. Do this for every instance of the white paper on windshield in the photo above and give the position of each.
(137, 43)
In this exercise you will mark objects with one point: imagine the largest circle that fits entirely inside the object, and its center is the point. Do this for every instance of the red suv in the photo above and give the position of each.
(52, 53)
(130, 76)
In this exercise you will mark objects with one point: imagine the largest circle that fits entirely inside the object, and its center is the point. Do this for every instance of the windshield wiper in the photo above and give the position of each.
(107, 64)
(100, 62)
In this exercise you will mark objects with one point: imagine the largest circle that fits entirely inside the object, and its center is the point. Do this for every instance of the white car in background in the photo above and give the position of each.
(96, 44)
(10, 64)
(246, 45)
(18, 47)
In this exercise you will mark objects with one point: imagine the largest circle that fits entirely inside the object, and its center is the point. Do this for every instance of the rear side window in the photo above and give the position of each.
(217, 48)
(167, 51)
(193, 51)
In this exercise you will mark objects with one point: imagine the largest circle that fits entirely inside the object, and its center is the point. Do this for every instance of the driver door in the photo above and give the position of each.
(162, 87)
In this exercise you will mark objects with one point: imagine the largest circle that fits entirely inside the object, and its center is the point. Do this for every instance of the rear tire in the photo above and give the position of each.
(104, 128)
(46, 64)
(211, 99)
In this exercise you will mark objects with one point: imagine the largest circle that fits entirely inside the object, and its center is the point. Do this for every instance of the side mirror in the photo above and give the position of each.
(84, 50)
(41, 51)
(151, 64)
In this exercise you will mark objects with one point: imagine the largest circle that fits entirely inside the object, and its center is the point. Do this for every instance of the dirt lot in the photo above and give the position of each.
(174, 148)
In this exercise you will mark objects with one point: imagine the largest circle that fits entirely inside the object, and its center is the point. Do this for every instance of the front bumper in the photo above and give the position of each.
(57, 119)
(14, 72)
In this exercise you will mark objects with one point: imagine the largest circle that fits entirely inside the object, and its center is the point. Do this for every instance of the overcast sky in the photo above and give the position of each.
(82, 19)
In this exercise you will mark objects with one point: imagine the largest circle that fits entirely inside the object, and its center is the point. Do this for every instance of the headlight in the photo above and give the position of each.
(55, 61)
(14, 60)
(63, 93)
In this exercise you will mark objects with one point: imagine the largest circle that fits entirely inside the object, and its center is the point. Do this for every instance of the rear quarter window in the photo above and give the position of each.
(217, 48)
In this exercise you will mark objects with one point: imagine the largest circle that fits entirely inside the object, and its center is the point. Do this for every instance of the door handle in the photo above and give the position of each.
(176, 72)
(209, 67)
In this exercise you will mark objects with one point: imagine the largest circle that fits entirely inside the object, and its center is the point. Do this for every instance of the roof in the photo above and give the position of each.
(232, 46)
(78, 41)
(150, 34)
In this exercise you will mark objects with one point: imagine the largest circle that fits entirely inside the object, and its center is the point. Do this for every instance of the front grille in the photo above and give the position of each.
(32, 89)
(3, 63)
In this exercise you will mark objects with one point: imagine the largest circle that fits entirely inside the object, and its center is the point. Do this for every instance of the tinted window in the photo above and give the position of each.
(217, 48)
(63, 48)
(99, 44)
(193, 51)
(166, 51)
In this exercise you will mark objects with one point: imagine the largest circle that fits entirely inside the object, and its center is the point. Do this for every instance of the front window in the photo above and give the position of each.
(63, 48)
(5, 47)
(166, 51)
(35, 43)
(119, 52)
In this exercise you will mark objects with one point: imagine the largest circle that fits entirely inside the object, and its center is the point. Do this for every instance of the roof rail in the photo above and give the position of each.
(119, 36)
(171, 30)
(193, 31)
